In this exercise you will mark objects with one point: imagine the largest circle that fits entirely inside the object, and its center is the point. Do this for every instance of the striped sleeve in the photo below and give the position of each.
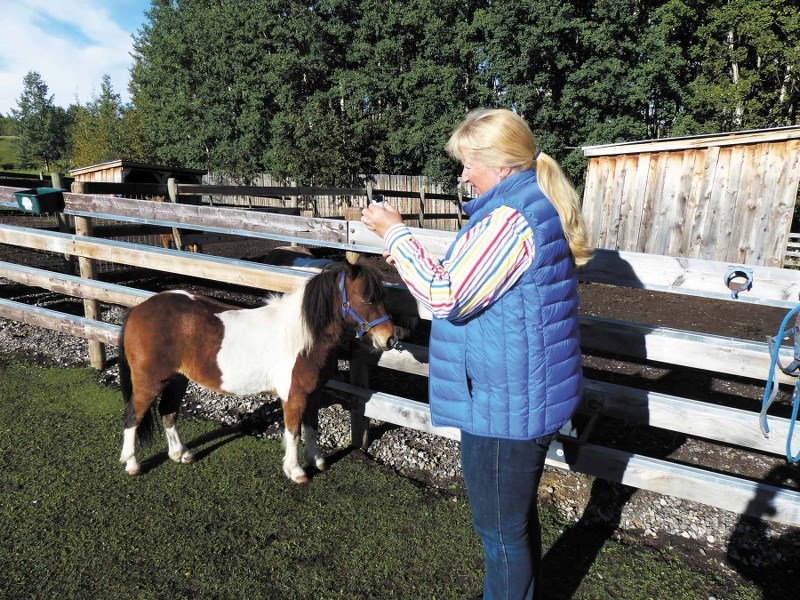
(485, 262)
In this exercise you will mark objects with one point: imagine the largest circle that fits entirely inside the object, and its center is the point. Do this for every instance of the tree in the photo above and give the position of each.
(96, 134)
(748, 56)
(203, 85)
(8, 126)
(330, 90)
(41, 126)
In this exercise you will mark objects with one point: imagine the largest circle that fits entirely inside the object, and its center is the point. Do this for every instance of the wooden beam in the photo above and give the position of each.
(108, 187)
(673, 413)
(237, 272)
(70, 285)
(728, 492)
(714, 353)
(664, 477)
(773, 135)
(325, 232)
(75, 326)
(682, 415)
(193, 189)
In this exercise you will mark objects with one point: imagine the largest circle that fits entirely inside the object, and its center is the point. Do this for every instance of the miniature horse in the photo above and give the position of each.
(281, 347)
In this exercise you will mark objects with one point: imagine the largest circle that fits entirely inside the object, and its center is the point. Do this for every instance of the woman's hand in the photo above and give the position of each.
(379, 219)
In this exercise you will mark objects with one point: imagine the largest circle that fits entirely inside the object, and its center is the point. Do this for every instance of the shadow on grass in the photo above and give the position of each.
(230, 433)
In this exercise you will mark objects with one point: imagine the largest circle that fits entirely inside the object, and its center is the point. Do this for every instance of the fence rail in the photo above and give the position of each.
(690, 416)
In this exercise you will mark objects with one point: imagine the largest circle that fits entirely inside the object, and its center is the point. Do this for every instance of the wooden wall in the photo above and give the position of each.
(727, 197)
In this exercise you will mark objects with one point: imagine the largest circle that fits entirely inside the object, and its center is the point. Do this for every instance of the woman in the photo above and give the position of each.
(505, 360)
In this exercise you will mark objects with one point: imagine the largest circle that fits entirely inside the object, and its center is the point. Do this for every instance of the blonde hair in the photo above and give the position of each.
(501, 138)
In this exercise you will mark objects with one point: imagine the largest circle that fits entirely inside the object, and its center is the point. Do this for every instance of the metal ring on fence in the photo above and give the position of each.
(738, 279)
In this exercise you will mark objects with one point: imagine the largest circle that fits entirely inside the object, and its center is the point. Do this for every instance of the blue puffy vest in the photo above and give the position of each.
(514, 369)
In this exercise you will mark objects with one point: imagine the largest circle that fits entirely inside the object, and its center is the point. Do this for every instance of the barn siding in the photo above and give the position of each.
(727, 197)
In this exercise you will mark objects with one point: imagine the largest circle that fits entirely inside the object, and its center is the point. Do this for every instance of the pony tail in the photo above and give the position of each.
(562, 194)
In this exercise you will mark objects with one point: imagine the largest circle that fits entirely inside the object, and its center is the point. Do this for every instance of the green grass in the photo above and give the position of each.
(9, 155)
(74, 525)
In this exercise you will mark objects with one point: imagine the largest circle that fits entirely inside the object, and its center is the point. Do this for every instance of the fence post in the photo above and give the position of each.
(91, 308)
(422, 204)
(359, 371)
(62, 221)
(352, 213)
(172, 190)
(359, 376)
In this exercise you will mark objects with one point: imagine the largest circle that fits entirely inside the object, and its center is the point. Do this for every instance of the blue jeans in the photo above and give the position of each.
(502, 478)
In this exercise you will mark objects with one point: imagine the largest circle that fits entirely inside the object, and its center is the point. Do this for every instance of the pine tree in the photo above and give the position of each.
(41, 126)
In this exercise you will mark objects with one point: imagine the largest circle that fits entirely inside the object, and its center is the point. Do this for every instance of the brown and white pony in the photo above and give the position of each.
(281, 347)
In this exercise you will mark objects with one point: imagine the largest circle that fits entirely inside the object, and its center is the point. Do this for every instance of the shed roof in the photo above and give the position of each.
(733, 138)
(126, 164)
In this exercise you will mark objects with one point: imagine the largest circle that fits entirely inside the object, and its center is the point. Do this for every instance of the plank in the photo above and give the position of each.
(330, 232)
(693, 201)
(777, 134)
(673, 413)
(746, 204)
(648, 203)
(237, 272)
(694, 277)
(636, 207)
(73, 325)
(704, 207)
(713, 353)
(670, 205)
(727, 492)
(664, 477)
(783, 199)
(716, 194)
(71, 285)
(692, 417)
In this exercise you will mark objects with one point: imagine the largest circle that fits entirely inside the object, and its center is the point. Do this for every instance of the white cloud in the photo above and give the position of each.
(71, 44)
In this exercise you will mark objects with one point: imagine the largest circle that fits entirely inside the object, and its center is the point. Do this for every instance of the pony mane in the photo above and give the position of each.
(322, 304)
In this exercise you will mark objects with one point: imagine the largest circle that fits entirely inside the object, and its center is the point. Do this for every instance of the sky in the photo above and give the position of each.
(70, 43)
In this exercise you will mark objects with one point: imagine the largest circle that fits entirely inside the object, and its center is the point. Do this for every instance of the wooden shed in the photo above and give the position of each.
(122, 171)
(726, 197)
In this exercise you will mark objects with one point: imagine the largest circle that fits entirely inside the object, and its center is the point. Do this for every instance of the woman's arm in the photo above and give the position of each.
(484, 263)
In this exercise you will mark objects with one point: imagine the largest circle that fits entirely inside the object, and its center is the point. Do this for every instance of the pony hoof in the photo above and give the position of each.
(133, 471)
(296, 475)
(182, 458)
(320, 463)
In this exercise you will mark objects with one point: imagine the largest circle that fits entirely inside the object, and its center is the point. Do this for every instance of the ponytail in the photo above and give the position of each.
(562, 194)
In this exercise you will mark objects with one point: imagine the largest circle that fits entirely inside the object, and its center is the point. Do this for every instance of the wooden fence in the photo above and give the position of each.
(678, 348)
(422, 203)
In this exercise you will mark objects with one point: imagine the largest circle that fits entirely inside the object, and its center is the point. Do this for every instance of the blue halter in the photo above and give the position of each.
(363, 326)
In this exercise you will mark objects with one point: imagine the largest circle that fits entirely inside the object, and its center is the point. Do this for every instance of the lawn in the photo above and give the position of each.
(75, 525)
(9, 154)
